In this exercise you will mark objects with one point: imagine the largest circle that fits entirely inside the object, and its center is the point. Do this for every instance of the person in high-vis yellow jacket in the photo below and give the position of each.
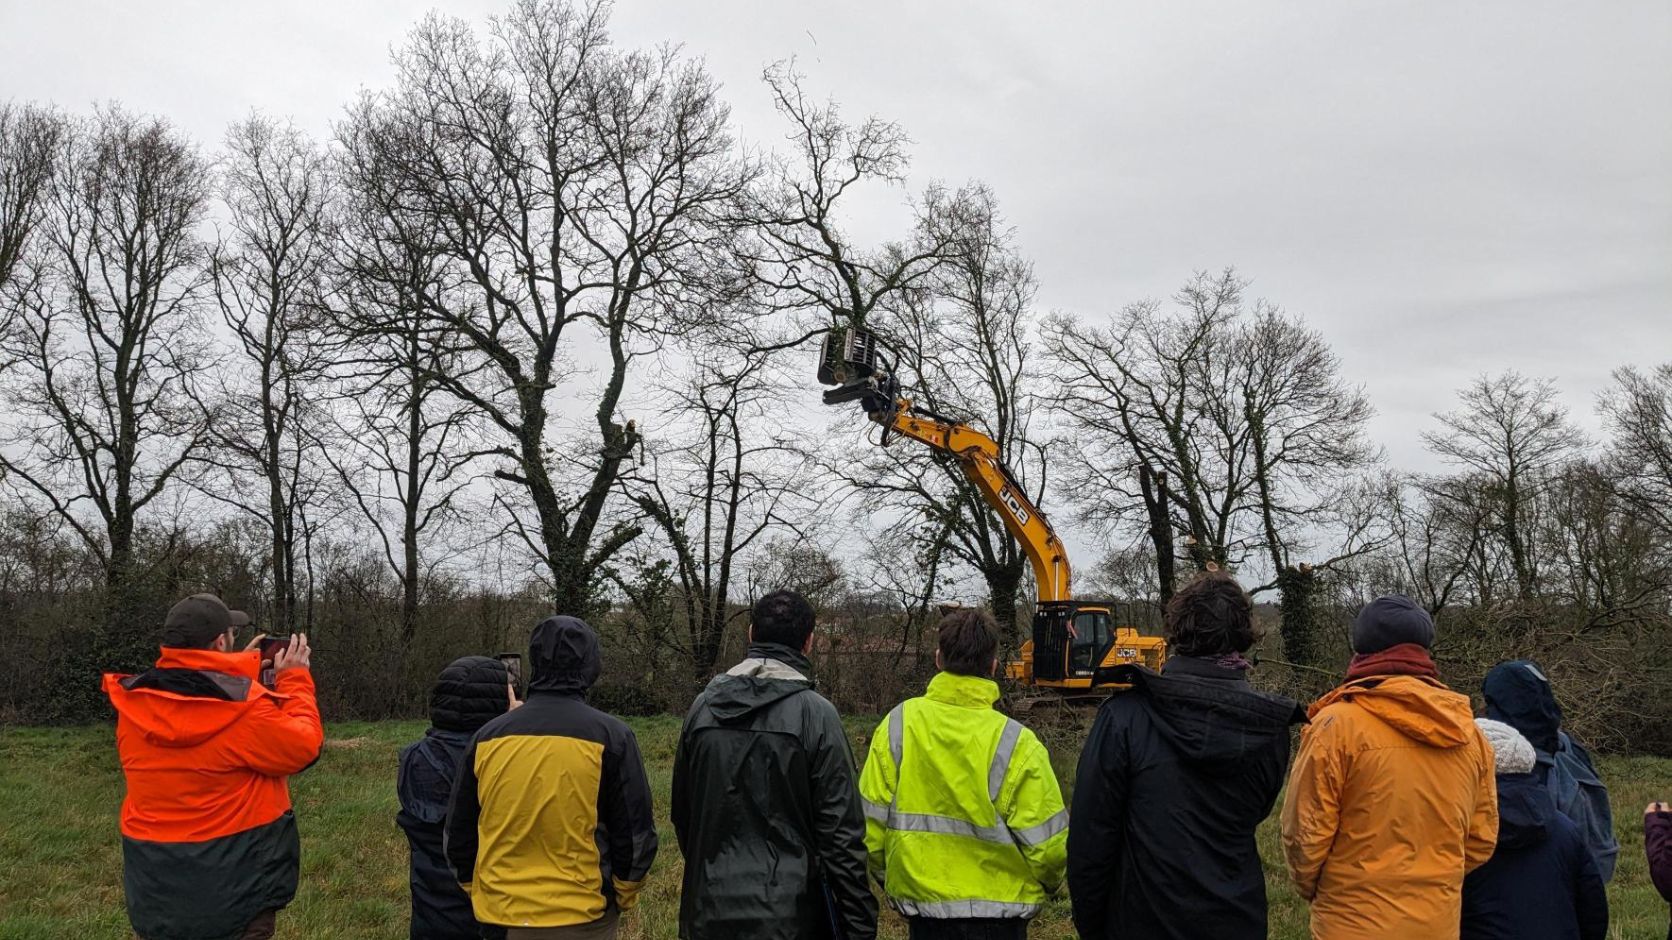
(965, 825)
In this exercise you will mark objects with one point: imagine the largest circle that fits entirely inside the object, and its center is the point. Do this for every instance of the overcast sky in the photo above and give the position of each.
(1443, 188)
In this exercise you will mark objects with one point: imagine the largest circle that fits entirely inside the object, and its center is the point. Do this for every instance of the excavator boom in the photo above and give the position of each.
(978, 455)
(1075, 646)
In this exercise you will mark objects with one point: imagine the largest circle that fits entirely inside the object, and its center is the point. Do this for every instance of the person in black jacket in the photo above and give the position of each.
(1174, 779)
(550, 829)
(765, 798)
(1519, 694)
(470, 692)
(1542, 881)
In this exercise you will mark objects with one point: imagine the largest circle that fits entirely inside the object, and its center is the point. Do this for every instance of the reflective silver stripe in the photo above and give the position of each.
(1034, 835)
(988, 909)
(876, 811)
(947, 826)
(1001, 758)
(897, 735)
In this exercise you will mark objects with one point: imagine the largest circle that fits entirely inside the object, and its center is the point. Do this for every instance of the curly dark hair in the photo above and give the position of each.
(1209, 616)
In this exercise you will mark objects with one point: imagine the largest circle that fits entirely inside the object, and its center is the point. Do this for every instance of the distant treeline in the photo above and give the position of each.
(533, 330)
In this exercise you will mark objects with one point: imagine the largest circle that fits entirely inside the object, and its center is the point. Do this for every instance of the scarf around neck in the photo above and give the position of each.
(1405, 659)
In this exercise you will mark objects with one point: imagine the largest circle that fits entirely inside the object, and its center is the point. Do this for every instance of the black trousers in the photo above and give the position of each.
(973, 928)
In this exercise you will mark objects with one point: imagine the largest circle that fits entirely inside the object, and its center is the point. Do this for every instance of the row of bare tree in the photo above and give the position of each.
(533, 322)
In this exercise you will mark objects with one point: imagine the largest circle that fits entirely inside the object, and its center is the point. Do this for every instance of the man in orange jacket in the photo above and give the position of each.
(1392, 799)
(209, 844)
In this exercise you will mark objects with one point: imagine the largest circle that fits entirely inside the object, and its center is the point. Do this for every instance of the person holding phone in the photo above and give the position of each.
(470, 692)
(210, 849)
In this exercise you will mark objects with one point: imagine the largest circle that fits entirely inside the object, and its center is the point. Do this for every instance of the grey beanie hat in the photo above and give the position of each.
(1511, 752)
(1390, 620)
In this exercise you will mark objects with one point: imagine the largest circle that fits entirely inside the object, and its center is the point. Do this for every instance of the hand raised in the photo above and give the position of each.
(295, 655)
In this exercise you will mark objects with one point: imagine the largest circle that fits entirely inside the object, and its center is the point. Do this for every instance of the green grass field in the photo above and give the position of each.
(60, 859)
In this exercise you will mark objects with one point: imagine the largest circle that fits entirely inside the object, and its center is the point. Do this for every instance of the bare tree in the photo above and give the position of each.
(963, 332)
(804, 255)
(1638, 413)
(1230, 417)
(1435, 542)
(1304, 427)
(1600, 555)
(30, 140)
(267, 269)
(1128, 396)
(729, 478)
(104, 405)
(577, 195)
(399, 445)
(1512, 432)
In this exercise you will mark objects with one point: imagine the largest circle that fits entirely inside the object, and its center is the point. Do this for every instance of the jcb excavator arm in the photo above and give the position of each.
(1073, 644)
(978, 456)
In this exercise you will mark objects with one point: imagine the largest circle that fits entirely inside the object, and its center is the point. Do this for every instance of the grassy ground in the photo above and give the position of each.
(60, 860)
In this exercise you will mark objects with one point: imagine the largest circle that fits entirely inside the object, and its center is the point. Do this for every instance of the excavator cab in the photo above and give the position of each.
(1073, 640)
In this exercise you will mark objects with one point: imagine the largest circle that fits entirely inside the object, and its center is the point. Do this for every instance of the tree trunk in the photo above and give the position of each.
(1297, 590)
(1003, 585)
(1154, 487)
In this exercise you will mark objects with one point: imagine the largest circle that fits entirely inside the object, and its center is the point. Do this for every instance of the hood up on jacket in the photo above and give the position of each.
(1212, 716)
(190, 696)
(563, 656)
(470, 692)
(733, 697)
(1519, 695)
(1419, 708)
(1525, 811)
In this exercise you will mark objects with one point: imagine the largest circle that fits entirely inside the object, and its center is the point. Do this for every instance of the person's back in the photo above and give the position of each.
(210, 848)
(1541, 881)
(1519, 694)
(1175, 778)
(550, 827)
(470, 692)
(1657, 843)
(965, 825)
(764, 798)
(1392, 798)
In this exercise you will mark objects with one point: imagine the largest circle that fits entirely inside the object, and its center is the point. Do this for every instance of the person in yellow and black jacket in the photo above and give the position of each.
(550, 829)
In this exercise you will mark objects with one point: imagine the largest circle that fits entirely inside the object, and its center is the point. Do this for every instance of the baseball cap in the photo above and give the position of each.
(197, 620)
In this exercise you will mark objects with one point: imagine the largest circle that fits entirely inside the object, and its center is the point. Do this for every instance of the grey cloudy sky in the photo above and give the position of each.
(1443, 188)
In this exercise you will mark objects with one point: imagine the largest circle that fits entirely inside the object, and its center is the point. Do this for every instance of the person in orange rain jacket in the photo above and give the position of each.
(209, 843)
(1392, 799)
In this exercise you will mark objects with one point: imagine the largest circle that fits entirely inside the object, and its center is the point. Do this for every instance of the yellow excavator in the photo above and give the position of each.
(1075, 645)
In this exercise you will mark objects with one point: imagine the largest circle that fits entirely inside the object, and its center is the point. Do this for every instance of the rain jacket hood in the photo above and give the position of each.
(563, 656)
(734, 697)
(1212, 729)
(1518, 694)
(470, 692)
(191, 696)
(1421, 709)
(1525, 811)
